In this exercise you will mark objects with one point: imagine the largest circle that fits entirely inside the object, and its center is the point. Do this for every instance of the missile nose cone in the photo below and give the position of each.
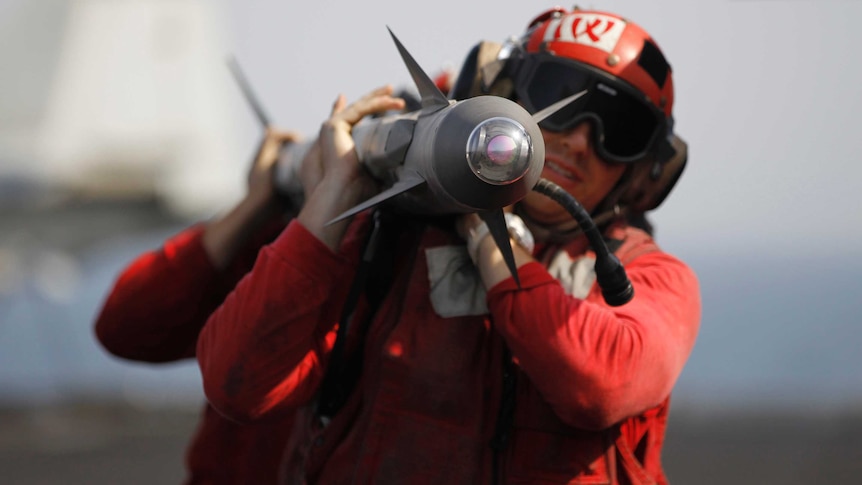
(499, 151)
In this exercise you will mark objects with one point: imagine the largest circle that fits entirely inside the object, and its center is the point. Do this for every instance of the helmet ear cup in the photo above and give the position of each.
(655, 171)
(481, 73)
(652, 183)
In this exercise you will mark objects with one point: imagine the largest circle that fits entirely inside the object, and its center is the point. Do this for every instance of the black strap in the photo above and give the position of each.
(506, 415)
(340, 378)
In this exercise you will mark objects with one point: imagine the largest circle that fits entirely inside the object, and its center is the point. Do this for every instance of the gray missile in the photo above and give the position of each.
(449, 157)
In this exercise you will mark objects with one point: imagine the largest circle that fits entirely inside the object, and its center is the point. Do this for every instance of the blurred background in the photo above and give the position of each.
(120, 125)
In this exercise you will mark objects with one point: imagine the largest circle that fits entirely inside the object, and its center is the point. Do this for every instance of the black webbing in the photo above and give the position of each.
(506, 415)
(339, 379)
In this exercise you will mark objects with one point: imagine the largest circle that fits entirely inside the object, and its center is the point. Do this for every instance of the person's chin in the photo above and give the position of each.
(544, 214)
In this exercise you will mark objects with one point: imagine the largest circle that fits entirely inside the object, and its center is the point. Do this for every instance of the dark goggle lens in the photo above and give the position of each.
(551, 82)
(627, 124)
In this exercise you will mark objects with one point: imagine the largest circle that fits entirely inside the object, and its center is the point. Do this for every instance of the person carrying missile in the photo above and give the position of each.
(161, 300)
(442, 367)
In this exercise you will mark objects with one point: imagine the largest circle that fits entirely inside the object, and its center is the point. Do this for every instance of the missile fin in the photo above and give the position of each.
(541, 115)
(428, 91)
(245, 87)
(406, 183)
(496, 222)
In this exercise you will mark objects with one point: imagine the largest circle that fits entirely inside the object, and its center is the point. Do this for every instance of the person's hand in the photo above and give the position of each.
(465, 222)
(338, 161)
(225, 234)
(331, 173)
(311, 168)
(260, 174)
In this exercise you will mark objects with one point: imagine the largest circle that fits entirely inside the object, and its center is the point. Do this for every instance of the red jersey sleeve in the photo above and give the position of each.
(265, 348)
(159, 303)
(595, 364)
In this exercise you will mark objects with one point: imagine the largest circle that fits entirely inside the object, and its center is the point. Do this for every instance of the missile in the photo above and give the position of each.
(476, 155)
(449, 157)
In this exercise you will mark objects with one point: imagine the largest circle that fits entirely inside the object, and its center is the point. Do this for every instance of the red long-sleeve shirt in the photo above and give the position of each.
(155, 312)
(592, 381)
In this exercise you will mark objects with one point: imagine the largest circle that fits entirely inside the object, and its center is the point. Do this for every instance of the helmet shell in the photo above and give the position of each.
(607, 42)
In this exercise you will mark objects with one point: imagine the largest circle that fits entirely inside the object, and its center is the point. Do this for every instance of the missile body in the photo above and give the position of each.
(476, 155)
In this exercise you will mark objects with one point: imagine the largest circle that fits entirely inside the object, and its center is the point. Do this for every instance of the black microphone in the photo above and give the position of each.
(610, 275)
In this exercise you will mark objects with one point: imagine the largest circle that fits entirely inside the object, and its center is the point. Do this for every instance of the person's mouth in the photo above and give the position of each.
(561, 170)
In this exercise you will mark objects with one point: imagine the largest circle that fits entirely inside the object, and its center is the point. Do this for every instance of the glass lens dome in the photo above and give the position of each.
(499, 151)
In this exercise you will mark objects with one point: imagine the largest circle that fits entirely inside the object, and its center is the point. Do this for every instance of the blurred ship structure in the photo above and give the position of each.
(116, 131)
(121, 99)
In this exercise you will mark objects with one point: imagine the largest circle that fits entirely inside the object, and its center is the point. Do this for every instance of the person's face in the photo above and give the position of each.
(572, 163)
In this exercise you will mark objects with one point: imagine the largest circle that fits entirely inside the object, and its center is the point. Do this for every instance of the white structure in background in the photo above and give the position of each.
(138, 100)
(112, 98)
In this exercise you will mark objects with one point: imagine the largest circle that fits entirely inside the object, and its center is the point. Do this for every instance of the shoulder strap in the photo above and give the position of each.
(373, 280)
(339, 379)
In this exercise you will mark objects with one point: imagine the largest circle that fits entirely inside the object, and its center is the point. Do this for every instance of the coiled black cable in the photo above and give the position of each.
(611, 276)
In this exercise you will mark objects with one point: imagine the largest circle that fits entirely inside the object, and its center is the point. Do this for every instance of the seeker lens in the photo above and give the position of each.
(499, 150)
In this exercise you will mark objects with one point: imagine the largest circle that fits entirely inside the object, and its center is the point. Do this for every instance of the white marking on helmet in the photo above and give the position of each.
(604, 87)
(592, 29)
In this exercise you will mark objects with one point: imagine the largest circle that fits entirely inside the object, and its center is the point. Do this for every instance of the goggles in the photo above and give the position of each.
(626, 125)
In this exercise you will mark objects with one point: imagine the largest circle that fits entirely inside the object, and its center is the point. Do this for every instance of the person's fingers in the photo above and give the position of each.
(287, 137)
(338, 105)
(336, 141)
(376, 101)
(464, 223)
(328, 128)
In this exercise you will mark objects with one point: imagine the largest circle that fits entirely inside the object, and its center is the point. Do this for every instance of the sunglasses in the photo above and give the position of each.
(627, 126)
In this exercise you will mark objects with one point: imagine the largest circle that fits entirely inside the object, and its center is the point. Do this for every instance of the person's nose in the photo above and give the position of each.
(577, 141)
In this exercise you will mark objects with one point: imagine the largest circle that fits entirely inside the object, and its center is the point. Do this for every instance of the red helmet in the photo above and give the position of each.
(608, 42)
(627, 79)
